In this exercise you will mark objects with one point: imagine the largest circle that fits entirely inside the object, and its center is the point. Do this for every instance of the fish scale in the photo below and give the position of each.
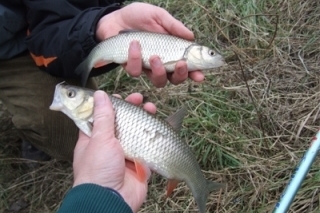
(145, 139)
(170, 50)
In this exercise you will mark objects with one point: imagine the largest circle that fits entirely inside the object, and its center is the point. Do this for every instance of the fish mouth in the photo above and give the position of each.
(224, 63)
(56, 104)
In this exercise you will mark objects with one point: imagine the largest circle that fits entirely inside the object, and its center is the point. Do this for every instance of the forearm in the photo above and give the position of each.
(93, 198)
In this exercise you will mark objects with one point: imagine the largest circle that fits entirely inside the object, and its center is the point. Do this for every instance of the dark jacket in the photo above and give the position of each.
(93, 198)
(13, 28)
(58, 34)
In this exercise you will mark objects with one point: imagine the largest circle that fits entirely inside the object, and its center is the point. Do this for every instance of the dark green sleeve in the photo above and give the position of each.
(93, 198)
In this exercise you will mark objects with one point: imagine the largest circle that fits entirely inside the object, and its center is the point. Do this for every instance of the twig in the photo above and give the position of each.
(251, 95)
(220, 30)
(275, 32)
(303, 64)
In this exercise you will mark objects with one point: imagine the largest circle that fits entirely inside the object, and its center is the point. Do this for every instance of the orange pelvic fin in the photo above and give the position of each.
(142, 170)
(172, 184)
(101, 63)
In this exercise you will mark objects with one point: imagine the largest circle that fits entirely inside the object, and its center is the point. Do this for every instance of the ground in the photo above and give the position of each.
(249, 123)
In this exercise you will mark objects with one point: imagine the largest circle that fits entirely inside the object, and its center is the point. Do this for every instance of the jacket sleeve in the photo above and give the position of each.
(13, 29)
(93, 198)
(62, 34)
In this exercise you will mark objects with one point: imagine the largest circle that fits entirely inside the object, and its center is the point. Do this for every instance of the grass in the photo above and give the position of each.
(249, 126)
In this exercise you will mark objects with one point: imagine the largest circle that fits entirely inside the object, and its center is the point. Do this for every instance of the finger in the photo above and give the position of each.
(180, 74)
(103, 114)
(82, 143)
(150, 107)
(134, 63)
(197, 76)
(135, 98)
(173, 26)
(157, 74)
(130, 165)
(82, 136)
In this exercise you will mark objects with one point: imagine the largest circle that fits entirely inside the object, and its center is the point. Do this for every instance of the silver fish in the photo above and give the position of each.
(146, 140)
(170, 49)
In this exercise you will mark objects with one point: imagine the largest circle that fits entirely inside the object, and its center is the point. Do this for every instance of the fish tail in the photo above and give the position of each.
(83, 70)
(202, 196)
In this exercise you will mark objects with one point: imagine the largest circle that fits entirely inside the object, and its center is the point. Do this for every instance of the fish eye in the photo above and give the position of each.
(211, 52)
(71, 93)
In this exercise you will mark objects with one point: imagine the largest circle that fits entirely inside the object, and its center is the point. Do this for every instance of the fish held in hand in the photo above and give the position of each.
(146, 140)
(169, 48)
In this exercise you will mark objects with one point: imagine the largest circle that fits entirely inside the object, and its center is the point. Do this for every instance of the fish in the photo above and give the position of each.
(169, 48)
(147, 140)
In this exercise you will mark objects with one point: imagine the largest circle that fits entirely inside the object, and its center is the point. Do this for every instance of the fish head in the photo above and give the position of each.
(75, 102)
(203, 58)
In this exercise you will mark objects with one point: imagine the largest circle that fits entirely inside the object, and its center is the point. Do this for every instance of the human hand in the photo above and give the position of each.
(100, 159)
(154, 19)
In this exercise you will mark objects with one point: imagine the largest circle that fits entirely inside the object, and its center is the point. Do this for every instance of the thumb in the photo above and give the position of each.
(103, 116)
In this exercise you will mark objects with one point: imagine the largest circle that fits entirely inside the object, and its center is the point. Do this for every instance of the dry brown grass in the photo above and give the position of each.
(248, 126)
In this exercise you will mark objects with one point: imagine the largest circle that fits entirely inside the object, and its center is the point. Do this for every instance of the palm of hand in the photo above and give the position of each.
(101, 160)
(118, 174)
(141, 16)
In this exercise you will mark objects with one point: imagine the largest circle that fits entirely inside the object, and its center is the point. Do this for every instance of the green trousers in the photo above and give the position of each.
(27, 92)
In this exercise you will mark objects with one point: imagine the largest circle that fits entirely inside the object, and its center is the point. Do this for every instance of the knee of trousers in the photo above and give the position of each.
(56, 137)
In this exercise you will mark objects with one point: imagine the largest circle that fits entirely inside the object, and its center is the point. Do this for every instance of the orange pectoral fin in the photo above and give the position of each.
(142, 170)
(101, 64)
(172, 184)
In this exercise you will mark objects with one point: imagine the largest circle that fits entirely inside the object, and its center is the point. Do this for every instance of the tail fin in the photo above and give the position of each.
(83, 70)
(202, 197)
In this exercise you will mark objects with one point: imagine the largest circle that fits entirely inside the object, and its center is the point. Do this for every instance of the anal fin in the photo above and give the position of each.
(101, 63)
(170, 63)
(172, 184)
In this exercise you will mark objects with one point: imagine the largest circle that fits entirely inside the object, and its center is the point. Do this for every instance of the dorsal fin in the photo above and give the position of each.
(176, 119)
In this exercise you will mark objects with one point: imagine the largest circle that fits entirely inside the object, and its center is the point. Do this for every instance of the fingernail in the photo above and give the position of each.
(99, 98)
(156, 62)
(135, 45)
